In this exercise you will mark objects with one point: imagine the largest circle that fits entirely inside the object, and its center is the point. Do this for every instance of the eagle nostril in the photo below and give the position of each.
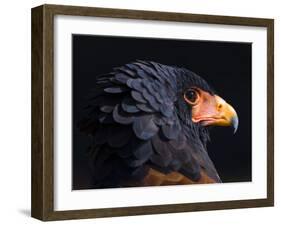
(219, 106)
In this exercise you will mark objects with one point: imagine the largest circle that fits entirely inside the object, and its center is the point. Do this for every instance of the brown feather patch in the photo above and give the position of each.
(156, 178)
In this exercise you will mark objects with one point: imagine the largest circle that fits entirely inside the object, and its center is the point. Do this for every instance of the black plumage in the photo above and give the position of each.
(138, 120)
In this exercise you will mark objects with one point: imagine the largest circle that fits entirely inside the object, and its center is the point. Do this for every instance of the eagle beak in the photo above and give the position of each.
(216, 112)
(226, 115)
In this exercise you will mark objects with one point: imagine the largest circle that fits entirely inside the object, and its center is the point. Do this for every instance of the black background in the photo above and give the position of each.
(226, 66)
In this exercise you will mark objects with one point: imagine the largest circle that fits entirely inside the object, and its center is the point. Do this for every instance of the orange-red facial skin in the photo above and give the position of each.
(211, 110)
(205, 106)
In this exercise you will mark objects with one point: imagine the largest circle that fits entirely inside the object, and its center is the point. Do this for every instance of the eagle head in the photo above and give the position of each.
(199, 107)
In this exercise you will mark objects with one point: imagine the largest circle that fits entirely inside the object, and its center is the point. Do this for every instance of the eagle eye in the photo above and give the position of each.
(191, 96)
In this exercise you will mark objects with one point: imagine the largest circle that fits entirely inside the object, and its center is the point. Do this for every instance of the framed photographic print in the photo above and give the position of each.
(141, 112)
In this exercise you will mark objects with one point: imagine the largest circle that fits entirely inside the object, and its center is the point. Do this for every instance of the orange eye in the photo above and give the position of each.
(191, 96)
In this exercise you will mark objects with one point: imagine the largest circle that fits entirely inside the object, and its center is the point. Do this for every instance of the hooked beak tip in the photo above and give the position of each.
(234, 123)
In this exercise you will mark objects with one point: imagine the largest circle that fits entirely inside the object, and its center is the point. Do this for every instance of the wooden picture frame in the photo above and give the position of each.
(43, 108)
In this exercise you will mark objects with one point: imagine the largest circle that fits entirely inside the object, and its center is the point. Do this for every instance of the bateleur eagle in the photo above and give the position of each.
(149, 126)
